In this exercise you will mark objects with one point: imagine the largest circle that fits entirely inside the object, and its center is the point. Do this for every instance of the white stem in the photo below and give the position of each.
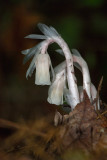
(70, 68)
(86, 74)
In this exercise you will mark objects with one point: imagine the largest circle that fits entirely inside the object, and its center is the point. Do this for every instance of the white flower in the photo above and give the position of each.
(42, 63)
(55, 93)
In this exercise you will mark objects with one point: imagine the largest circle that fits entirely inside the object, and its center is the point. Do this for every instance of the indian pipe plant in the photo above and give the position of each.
(82, 132)
(63, 82)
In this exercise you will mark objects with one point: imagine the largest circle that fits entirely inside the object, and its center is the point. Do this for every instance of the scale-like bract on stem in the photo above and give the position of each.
(31, 52)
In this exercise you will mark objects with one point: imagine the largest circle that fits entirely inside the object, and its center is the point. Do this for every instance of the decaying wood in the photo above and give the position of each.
(82, 125)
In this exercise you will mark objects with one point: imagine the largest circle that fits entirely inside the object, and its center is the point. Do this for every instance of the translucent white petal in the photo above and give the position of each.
(42, 76)
(31, 66)
(25, 52)
(36, 36)
(54, 31)
(55, 93)
(48, 31)
(77, 66)
(53, 73)
(30, 52)
(44, 29)
(60, 51)
(60, 67)
(76, 53)
(52, 70)
(31, 71)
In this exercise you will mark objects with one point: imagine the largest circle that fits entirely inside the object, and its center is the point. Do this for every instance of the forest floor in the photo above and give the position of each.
(82, 134)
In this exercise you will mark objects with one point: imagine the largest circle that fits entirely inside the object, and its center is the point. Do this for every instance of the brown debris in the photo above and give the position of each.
(81, 130)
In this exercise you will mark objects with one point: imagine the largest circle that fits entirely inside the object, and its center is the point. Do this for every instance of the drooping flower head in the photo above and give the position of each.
(55, 93)
(62, 74)
(41, 61)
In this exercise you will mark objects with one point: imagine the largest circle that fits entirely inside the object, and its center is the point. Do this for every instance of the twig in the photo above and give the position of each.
(9, 124)
(98, 91)
(101, 114)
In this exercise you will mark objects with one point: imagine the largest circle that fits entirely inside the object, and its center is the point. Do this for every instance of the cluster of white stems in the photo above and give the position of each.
(63, 82)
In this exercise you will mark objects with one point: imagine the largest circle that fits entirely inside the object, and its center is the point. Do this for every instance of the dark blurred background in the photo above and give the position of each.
(82, 24)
